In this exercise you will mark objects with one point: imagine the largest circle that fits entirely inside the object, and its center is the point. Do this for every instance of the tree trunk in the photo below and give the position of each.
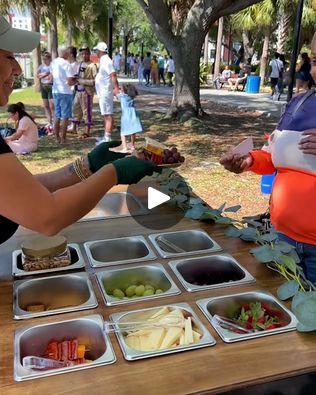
(69, 34)
(49, 39)
(219, 46)
(248, 45)
(264, 56)
(36, 53)
(206, 49)
(54, 29)
(186, 96)
(283, 31)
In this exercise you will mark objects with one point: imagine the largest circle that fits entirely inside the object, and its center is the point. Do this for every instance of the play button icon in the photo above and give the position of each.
(156, 198)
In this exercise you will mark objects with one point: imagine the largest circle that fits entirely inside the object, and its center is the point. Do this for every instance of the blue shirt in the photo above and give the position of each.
(304, 118)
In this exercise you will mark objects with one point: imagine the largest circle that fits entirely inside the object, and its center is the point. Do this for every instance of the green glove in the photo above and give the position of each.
(131, 170)
(101, 155)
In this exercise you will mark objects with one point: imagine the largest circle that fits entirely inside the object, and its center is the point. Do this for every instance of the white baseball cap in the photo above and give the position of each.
(17, 40)
(102, 47)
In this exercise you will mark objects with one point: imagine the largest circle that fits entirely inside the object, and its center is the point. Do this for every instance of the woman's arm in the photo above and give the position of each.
(16, 135)
(27, 202)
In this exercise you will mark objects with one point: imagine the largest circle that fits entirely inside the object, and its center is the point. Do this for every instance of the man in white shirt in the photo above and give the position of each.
(276, 72)
(62, 93)
(171, 69)
(106, 85)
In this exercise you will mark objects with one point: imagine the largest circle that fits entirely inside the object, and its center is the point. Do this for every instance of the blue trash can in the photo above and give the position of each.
(253, 84)
(267, 183)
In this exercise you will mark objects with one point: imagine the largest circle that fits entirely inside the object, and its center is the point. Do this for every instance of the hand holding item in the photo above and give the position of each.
(131, 170)
(308, 144)
(101, 155)
(236, 163)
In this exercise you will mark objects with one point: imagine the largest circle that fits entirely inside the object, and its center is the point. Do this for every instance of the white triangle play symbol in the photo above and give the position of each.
(155, 198)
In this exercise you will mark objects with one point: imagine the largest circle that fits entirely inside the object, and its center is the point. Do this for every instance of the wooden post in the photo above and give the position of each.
(218, 54)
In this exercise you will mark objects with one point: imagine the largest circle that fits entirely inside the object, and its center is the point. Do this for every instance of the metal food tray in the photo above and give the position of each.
(132, 355)
(220, 304)
(224, 270)
(131, 249)
(77, 262)
(122, 278)
(33, 340)
(73, 290)
(191, 242)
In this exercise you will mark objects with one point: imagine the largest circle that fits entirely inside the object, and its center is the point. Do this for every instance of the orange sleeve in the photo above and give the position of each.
(262, 163)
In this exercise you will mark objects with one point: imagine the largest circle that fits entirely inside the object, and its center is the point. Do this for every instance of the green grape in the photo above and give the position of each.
(159, 291)
(140, 289)
(130, 291)
(118, 293)
(148, 292)
(148, 286)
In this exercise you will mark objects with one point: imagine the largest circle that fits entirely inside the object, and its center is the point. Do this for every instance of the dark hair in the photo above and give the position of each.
(130, 90)
(276, 55)
(20, 109)
(148, 54)
(72, 51)
(305, 57)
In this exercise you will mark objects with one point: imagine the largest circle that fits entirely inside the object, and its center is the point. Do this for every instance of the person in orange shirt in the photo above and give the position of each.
(154, 70)
(291, 151)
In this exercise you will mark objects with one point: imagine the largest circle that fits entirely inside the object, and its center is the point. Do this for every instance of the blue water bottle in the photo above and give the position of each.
(267, 183)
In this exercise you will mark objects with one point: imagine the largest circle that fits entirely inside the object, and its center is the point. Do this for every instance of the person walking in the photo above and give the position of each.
(303, 75)
(146, 68)
(84, 91)
(44, 74)
(106, 85)
(276, 73)
(62, 93)
(171, 69)
(154, 71)
(117, 62)
(161, 70)
(140, 72)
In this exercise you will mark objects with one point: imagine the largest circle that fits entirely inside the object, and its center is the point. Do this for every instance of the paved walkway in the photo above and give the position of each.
(258, 102)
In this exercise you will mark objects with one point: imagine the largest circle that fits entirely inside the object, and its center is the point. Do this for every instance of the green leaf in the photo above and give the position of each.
(193, 201)
(224, 221)
(261, 249)
(248, 234)
(180, 199)
(298, 298)
(221, 208)
(283, 246)
(263, 254)
(232, 231)
(305, 309)
(254, 223)
(288, 289)
(295, 256)
(233, 209)
(208, 216)
(268, 237)
(195, 212)
(287, 261)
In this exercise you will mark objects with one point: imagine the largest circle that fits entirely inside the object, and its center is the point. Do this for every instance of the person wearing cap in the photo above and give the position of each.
(44, 74)
(47, 203)
(106, 84)
(62, 73)
(84, 88)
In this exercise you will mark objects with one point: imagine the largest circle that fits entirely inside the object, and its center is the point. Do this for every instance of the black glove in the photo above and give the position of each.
(101, 156)
(130, 170)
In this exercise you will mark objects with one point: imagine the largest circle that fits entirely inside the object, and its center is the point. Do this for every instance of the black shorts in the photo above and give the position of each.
(46, 91)
(274, 81)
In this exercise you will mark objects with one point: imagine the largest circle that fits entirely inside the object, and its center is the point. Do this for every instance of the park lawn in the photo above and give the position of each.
(201, 142)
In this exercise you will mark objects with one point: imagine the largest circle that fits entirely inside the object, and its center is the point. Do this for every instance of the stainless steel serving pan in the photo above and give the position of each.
(210, 271)
(139, 315)
(118, 251)
(190, 242)
(33, 340)
(227, 306)
(77, 262)
(59, 294)
(153, 274)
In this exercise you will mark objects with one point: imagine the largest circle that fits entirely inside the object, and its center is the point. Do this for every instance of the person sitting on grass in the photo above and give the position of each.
(242, 76)
(25, 139)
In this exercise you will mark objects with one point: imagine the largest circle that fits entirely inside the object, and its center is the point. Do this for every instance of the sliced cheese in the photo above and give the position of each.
(182, 339)
(133, 342)
(155, 338)
(196, 336)
(188, 335)
(159, 313)
(172, 335)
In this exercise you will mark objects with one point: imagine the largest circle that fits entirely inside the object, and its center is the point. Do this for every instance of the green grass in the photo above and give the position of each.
(27, 96)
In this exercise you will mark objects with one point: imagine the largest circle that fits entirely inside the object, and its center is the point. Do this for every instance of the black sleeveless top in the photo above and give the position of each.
(7, 227)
